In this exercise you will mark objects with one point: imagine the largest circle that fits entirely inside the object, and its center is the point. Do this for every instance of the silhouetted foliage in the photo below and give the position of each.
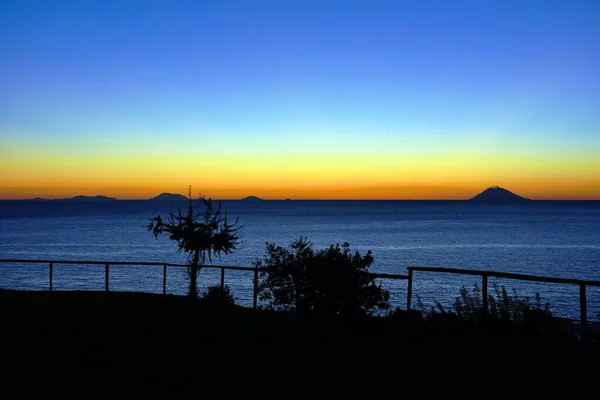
(502, 307)
(202, 234)
(217, 296)
(330, 281)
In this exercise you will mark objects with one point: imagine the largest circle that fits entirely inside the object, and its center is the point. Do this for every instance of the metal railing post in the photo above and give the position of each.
(106, 277)
(255, 294)
(583, 309)
(165, 279)
(409, 289)
(222, 280)
(50, 277)
(484, 294)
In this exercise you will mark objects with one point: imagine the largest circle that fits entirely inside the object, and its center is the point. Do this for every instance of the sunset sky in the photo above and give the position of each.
(300, 99)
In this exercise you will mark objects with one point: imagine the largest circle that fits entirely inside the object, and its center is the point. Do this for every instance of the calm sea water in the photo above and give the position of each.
(555, 239)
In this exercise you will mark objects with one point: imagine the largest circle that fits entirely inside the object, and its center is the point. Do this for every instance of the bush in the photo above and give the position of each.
(331, 281)
(217, 296)
(502, 307)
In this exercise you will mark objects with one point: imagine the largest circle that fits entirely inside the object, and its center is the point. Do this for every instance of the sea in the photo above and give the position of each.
(544, 238)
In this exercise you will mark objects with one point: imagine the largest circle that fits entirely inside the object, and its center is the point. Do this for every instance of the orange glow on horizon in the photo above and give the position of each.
(342, 175)
(305, 192)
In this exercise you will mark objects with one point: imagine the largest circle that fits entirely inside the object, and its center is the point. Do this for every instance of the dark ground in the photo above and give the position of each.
(112, 335)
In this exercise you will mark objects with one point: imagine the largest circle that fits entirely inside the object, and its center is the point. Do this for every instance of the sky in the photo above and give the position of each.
(299, 99)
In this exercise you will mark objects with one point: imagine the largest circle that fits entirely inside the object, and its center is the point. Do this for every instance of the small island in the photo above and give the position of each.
(88, 199)
(251, 199)
(498, 195)
(169, 197)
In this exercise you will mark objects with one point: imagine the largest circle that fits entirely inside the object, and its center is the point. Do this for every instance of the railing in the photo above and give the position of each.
(107, 265)
(484, 287)
(484, 275)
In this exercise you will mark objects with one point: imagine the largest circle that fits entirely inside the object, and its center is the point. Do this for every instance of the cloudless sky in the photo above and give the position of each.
(300, 99)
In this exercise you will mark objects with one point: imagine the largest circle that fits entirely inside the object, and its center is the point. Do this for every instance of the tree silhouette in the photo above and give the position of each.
(332, 281)
(202, 234)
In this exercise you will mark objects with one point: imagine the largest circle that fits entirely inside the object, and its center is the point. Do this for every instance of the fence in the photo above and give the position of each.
(484, 276)
(107, 265)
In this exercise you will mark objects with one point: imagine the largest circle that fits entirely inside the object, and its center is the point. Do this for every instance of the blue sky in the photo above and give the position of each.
(517, 77)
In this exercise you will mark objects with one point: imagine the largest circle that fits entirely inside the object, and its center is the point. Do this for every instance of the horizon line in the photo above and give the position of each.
(109, 198)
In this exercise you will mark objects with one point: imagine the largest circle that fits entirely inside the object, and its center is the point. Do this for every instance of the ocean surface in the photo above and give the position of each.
(544, 238)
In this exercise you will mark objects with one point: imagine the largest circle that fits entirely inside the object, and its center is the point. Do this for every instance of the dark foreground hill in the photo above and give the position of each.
(155, 335)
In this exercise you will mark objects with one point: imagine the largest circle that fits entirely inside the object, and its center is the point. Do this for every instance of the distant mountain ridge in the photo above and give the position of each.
(88, 198)
(498, 195)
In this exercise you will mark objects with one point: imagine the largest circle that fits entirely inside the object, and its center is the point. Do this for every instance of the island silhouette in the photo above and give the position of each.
(86, 199)
(498, 195)
(178, 197)
(89, 198)
(169, 197)
(251, 198)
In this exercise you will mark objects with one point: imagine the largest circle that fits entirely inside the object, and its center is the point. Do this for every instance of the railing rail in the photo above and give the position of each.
(508, 275)
(234, 267)
(523, 277)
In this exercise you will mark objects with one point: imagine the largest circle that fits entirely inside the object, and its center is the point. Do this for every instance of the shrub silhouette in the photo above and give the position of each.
(502, 306)
(217, 296)
(504, 309)
(202, 234)
(331, 281)
(468, 306)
